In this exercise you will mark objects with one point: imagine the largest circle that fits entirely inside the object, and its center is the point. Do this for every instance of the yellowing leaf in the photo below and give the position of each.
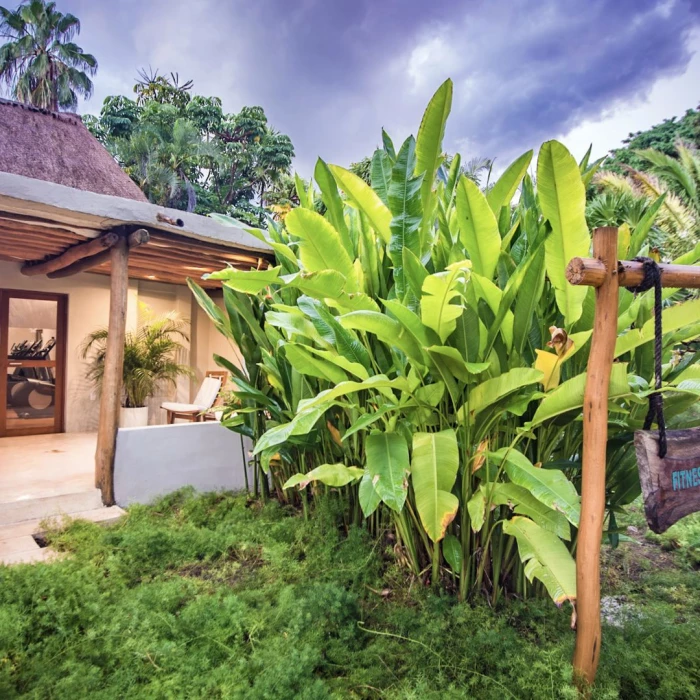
(624, 238)
(546, 558)
(548, 363)
(336, 475)
(433, 472)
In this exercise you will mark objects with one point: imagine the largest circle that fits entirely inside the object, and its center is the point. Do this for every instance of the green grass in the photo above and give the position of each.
(220, 598)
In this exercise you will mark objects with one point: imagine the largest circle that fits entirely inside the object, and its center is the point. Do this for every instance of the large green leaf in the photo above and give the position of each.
(306, 363)
(336, 475)
(388, 330)
(334, 204)
(546, 558)
(320, 285)
(429, 142)
(367, 419)
(476, 506)
(433, 472)
(380, 173)
(328, 326)
(387, 464)
(478, 228)
(381, 383)
(301, 424)
(414, 271)
(526, 302)
(550, 486)
(569, 395)
(458, 366)
(247, 281)
(502, 193)
(368, 496)
(674, 317)
(354, 368)
(452, 549)
(423, 334)
(405, 206)
(321, 247)
(502, 493)
(365, 199)
(562, 197)
(438, 310)
(492, 390)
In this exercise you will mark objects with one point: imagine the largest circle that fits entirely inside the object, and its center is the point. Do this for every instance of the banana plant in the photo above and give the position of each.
(416, 351)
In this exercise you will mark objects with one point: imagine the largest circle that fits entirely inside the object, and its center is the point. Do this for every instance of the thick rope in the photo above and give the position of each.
(652, 278)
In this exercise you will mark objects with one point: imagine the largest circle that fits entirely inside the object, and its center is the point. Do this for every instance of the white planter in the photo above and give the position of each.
(133, 417)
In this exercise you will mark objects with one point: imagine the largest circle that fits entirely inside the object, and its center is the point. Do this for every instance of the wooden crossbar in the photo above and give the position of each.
(592, 272)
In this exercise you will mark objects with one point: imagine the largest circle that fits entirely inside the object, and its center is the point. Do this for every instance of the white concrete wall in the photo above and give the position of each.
(157, 460)
(88, 309)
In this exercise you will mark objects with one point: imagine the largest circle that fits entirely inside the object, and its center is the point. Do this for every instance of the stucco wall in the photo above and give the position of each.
(151, 462)
(88, 309)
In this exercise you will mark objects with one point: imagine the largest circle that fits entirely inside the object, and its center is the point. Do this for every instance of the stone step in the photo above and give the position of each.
(31, 556)
(38, 508)
(17, 546)
(103, 515)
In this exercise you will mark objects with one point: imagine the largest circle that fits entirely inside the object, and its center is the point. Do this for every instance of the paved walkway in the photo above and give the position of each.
(45, 476)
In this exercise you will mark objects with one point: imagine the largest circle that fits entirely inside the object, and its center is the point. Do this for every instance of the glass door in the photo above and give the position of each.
(32, 362)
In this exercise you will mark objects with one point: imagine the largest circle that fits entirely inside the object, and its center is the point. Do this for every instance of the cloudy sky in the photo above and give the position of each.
(331, 73)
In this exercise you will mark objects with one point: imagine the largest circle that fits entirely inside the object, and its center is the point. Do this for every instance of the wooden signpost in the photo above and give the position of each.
(669, 483)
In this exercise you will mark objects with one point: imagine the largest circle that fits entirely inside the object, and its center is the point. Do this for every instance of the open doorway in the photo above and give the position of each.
(32, 362)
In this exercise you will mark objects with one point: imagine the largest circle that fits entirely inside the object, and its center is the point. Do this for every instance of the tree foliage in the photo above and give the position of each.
(40, 63)
(185, 152)
(661, 137)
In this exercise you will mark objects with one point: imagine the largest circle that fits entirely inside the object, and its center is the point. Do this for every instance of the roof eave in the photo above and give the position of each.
(90, 213)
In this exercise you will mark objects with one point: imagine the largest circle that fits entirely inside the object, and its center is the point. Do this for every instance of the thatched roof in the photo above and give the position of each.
(58, 148)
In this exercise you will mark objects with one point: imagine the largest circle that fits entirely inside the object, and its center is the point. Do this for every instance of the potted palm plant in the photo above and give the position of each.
(149, 360)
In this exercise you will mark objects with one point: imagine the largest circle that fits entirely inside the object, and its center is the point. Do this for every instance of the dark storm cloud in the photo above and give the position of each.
(331, 73)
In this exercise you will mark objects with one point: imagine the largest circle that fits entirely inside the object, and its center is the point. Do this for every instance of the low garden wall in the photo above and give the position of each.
(157, 460)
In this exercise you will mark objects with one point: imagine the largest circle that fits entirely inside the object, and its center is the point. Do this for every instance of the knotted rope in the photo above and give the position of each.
(652, 278)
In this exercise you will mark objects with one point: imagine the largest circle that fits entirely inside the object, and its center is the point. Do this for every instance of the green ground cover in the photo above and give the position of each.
(220, 597)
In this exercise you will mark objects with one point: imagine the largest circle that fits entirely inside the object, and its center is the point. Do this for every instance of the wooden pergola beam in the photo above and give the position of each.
(72, 255)
(134, 240)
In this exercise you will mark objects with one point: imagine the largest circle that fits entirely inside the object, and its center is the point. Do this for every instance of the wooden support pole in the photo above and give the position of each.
(110, 399)
(592, 273)
(595, 438)
(72, 255)
(135, 239)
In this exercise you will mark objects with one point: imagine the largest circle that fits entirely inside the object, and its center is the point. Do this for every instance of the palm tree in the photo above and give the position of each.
(149, 357)
(40, 63)
(624, 198)
(165, 162)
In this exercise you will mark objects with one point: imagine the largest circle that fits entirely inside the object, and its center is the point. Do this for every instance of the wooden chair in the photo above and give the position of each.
(195, 411)
(218, 405)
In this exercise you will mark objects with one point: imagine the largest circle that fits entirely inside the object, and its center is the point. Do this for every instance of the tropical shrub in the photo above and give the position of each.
(150, 357)
(418, 350)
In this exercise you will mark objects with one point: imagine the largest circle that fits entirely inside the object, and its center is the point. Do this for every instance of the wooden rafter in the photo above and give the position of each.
(72, 255)
(135, 239)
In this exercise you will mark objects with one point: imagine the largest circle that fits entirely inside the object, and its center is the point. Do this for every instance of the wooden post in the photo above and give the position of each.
(110, 400)
(595, 437)
(607, 275)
